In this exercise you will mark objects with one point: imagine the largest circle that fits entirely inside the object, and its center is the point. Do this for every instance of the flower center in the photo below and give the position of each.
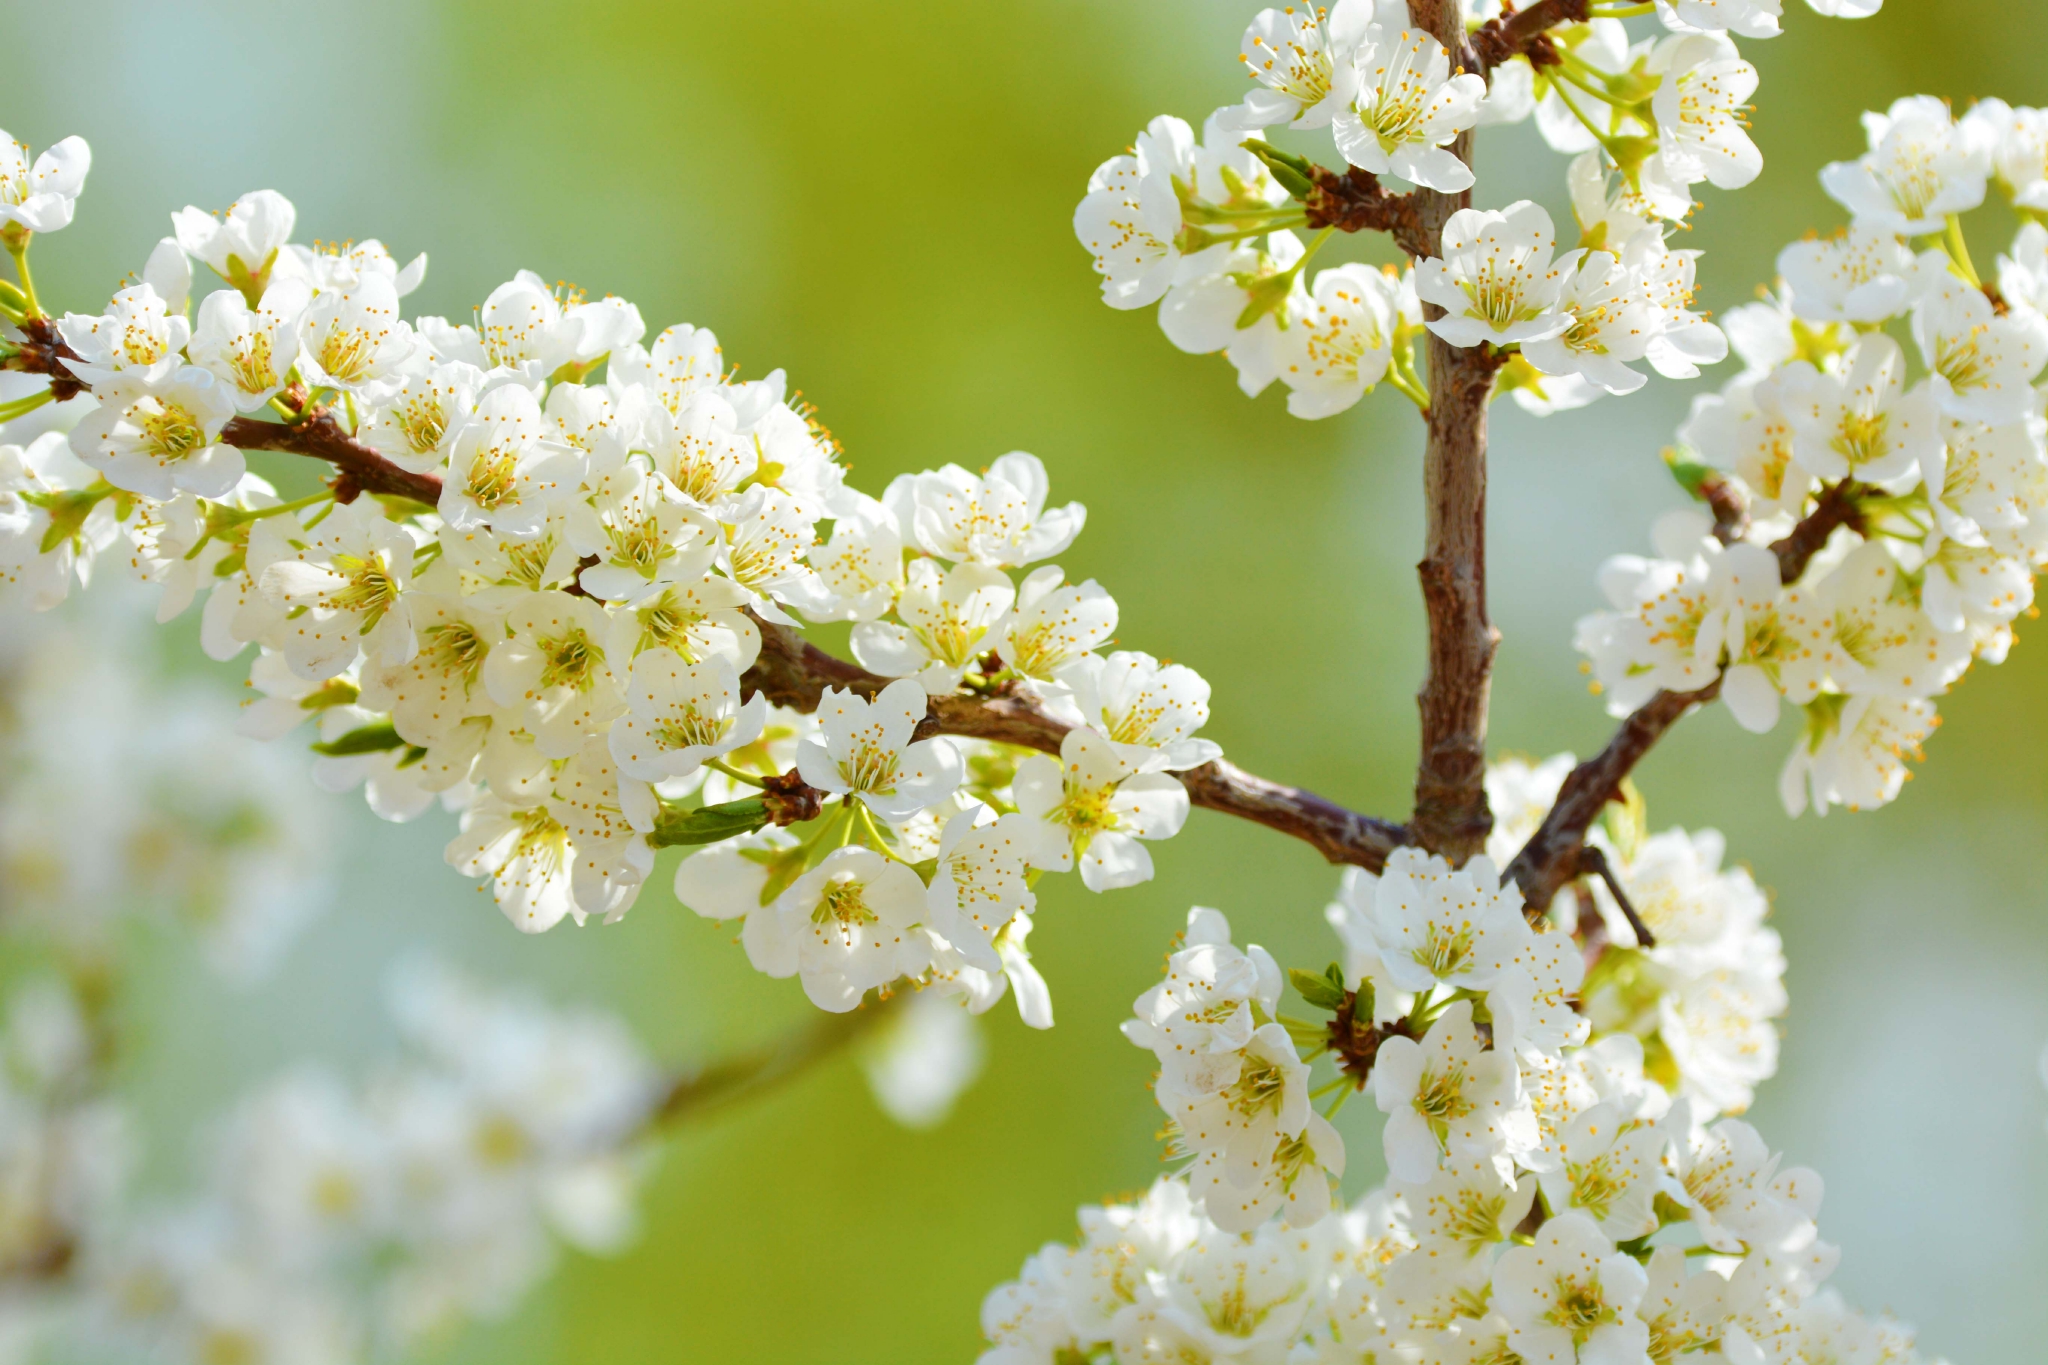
(455, 648)
(371, 589)
(347, 353)
(686, 727)
(845, 904)
(871, 769)
(1440, 1097)
(572, 661)
(423, 422)
(1579, 1307)
(169, 430)
(493, 480)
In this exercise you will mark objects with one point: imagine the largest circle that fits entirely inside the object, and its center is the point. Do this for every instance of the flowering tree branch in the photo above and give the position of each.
(359, 469)
(794, 673)
(1554, 855)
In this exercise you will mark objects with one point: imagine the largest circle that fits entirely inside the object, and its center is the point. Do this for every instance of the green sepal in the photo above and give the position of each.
(784, 866)
(367, 739)
(333, 692)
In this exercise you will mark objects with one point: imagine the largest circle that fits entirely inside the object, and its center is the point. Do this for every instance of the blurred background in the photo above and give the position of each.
(877, 197)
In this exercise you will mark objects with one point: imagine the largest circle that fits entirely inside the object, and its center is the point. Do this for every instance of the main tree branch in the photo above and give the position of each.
(1451, 814)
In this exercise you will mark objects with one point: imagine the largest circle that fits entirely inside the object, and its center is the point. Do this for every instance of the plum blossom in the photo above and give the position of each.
(41, 195)
(1092, 805)
(864, 749)
(1496, 281)
(1339, 346)
(1921, 167)
(1398, 105)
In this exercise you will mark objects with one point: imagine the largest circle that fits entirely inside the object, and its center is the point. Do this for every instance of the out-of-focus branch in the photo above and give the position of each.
(755, 1071)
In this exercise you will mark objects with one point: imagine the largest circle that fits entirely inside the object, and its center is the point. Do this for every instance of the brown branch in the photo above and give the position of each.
(1593, 863)
(1451, 813)
(793, 672)
(760, 1069)
(1555, 854)
(1355, 201)
(1526, 33)
(1552, 856)
(359, 469)
(1730, 508)
(1836, 507)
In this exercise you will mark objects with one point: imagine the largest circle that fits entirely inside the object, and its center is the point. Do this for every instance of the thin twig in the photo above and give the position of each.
(757, 1070)
(794, 673)
(1593, 863)
(1551, 857)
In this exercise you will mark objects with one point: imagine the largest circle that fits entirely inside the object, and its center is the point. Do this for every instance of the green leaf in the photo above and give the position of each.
(1691, 474)
(1296, 174)
(708, 824)
(1317, 989)
(369, 739)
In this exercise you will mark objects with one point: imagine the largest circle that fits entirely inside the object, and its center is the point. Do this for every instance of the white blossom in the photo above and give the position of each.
(1398, 105)
(864, 749)
(41, 195)
(1921, 167)
(1093, 806)
(1496, 282)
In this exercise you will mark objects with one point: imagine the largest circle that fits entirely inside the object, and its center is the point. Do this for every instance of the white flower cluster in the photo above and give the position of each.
(1410, 1276)
(1562, 1186)
(1936, 458)
(1206, 230)
(122, 800)
(336, 1222)
(555, 648)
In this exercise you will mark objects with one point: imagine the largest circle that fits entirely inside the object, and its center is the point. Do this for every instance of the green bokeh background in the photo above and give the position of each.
(877, 197)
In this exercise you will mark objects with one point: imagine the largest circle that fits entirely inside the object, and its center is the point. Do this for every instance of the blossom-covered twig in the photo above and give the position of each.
(794, 673)
(1552, 856)
(318, 436)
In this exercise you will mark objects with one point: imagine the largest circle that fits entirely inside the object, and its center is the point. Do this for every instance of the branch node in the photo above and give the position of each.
(790, 800)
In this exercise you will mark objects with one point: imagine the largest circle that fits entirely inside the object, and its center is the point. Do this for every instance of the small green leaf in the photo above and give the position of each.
(369, 739)
(1296, 174)
(1691, 474)
(708, 824)
(1317, 989)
